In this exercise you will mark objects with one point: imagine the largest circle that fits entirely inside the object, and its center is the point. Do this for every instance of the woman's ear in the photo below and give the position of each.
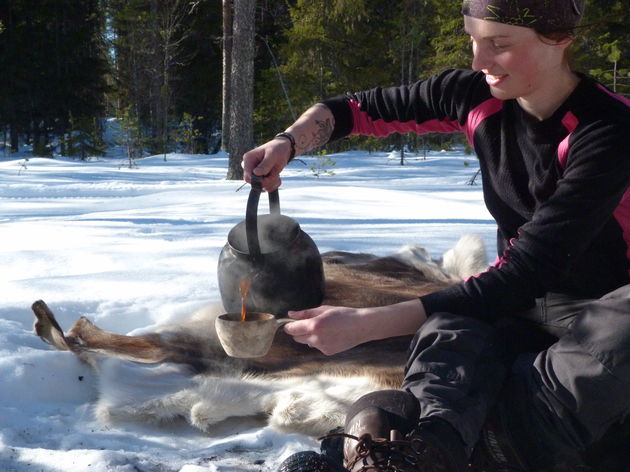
(566, 41)
(561, 40)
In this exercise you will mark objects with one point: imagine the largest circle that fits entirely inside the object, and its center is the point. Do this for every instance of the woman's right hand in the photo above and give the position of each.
(312, 129)
(267, 161)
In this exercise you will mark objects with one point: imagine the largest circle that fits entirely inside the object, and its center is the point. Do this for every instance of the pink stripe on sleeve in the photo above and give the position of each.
(570, 122)
(364, 125)
(480, 113)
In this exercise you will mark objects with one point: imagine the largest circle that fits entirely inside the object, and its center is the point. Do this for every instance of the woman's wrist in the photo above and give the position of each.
(400, 319)
(311, 130)
(291, 139)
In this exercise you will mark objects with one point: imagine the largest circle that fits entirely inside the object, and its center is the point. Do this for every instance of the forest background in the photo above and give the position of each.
(157, 67)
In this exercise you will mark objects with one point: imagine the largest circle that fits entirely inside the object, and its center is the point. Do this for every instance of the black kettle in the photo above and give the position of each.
(281, 262)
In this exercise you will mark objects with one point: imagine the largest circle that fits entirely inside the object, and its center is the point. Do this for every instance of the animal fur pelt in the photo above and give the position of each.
(181, 372)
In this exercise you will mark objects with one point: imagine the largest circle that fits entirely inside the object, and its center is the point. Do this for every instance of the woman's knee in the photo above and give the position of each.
(449, 331)
(603, 329)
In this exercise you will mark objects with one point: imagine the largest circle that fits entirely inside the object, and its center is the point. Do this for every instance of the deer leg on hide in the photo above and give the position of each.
(47, 328)
(85, 335)
(84, 338)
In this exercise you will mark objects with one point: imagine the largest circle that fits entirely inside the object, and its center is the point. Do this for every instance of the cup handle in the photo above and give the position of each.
(283, 321)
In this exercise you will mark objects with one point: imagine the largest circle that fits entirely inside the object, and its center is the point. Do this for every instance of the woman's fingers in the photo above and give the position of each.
(327, 328)
(266, 161)
(306, 314)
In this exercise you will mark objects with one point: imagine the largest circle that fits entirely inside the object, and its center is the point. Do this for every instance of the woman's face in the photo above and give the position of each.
(516, 62)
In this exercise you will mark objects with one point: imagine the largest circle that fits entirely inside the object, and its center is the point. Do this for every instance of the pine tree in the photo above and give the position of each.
(603, 44)
(84, 138)
(227, 14)
(129, 134)
(186, 133)
(197, 80)
(54, 66)
(242, 86)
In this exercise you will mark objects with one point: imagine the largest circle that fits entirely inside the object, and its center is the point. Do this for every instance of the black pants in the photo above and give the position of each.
(562, 370)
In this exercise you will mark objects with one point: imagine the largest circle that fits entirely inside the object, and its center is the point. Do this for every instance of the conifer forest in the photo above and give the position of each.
(157, 66)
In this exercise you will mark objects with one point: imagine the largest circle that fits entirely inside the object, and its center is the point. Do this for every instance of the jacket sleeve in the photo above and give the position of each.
(437, 104)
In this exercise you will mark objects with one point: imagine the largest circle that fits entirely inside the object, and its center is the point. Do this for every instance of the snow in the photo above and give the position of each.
(131, 248)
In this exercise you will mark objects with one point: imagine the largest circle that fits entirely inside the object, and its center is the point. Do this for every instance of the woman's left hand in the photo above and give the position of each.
(333, 329)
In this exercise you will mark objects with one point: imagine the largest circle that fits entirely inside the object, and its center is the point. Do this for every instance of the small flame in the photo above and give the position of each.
(244, 290)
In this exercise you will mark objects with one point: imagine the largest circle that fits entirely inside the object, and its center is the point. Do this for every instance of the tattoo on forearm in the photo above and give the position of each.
(323, 134)
(317, 138)
(324, 131)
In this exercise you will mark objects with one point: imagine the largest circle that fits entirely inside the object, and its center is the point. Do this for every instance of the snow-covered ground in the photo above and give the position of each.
(134, 247)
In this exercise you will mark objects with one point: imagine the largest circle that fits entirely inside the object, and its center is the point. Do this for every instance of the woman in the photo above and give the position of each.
(528, 363)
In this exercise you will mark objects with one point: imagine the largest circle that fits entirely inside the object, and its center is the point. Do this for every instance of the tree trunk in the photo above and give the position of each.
(14, 138)
(241, 137)
(227, 70)
(170, 22)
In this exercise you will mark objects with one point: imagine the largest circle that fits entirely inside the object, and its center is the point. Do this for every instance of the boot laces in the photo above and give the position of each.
(383, 455)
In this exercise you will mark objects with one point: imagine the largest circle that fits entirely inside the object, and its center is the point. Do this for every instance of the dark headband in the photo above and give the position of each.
(544, 16)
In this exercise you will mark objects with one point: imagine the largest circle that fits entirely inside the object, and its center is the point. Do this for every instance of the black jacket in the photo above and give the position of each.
(557, 188)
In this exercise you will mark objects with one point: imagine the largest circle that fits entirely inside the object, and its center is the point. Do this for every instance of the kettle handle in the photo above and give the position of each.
(251, 215)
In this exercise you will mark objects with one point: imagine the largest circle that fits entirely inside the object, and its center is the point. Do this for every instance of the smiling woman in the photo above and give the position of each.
(504, 366)
(530, 62)
(518, 65)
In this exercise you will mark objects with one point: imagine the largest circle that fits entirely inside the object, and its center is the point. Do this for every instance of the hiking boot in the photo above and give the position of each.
(383, 455)
(433, 447)
(413, 453)
(371, 421)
